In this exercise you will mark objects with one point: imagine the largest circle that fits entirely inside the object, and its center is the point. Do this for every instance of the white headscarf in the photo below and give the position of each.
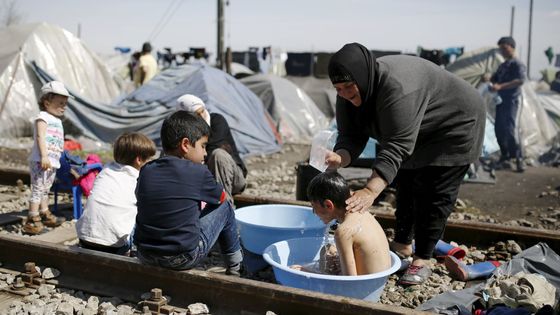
(191, 103)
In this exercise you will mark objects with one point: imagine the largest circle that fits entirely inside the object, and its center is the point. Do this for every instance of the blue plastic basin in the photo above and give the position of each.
(260, 226)
(283, 254)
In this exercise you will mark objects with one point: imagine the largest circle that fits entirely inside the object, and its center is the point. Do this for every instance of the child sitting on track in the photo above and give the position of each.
(182, 211)
(110, 212)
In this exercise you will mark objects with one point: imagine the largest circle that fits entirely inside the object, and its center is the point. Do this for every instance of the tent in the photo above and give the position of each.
(294, 112)
(321, 92)
(251, 126)
(473, 64)
(58, 52)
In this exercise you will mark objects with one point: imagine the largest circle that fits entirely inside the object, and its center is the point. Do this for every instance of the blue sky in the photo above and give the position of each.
(305, 25)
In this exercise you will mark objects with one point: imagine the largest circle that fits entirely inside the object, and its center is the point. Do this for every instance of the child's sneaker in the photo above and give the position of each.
(51, 220)
(33, 225)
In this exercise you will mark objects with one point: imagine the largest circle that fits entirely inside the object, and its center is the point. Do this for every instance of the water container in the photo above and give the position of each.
(283, 254)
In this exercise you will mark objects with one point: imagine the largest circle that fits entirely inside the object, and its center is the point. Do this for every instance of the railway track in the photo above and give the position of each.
(125, 278)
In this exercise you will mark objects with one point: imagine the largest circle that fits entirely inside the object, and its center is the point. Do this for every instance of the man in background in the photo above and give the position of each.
(507, 82)
(146, 68)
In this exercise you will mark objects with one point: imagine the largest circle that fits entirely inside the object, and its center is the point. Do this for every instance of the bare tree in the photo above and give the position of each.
(11, 14)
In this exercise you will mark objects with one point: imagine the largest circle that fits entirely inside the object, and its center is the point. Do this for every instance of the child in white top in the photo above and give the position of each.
(48, 145)
(110, 212)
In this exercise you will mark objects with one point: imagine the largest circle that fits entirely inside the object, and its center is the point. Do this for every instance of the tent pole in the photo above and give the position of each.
(511, 21)
(529, 40)
(220, 50)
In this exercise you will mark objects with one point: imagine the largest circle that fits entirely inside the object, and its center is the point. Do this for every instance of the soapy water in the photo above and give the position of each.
(325, 264)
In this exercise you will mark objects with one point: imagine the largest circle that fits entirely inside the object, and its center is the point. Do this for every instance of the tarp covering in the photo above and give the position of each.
(221, 93)
(145, 109)
(550, 100)
(62, 55)
(539, 259)
(537, 128)
(473, 64)
(295, 113)
(321, 92)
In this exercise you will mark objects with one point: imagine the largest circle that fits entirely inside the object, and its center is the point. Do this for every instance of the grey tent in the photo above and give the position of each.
(296, 115)
(251, 126)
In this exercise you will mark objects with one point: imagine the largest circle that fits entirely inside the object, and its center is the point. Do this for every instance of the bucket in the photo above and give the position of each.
(262, 225)
(283, 254)
(304, 174)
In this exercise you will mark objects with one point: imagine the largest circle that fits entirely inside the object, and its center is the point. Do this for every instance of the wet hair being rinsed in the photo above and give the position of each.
(330, 186)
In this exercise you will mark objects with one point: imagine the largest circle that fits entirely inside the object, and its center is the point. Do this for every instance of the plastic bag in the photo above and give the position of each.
(322, 143)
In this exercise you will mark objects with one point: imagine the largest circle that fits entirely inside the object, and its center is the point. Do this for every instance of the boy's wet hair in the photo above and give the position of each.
(180, 125)
(330, 186)
(129, 146)
(43, 99)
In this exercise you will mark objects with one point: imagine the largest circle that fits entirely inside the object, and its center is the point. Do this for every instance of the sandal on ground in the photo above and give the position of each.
(415, 275)
(51, 220)
(33, 225)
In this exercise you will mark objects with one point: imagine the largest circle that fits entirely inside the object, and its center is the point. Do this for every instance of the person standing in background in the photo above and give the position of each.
(507, 83)
(146, 68)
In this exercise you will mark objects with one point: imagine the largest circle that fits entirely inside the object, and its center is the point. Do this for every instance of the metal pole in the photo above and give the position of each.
(220, 53)
(512, 19)
(529, 41)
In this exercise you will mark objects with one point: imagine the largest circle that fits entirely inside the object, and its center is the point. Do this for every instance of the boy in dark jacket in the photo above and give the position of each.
(182, 211)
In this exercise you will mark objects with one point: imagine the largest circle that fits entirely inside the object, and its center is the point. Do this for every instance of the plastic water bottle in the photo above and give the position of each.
(496, 99)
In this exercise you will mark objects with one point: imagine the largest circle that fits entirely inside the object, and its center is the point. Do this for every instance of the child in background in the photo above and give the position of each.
(110, 212)
(360, 241)
(182, 211)
(48, 145)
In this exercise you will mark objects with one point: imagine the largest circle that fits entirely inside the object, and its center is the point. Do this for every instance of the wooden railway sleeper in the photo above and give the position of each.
(18, 287)
(157, 303)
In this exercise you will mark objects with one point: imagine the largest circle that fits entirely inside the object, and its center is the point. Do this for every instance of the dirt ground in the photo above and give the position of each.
(513, 196)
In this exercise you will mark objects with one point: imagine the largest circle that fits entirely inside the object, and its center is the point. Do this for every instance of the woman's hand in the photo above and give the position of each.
(333, 160)
(360, 200)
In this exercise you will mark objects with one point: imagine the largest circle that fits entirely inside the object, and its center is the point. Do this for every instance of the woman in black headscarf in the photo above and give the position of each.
(430, 127)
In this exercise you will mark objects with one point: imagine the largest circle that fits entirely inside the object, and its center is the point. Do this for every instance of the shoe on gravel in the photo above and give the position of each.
(51, 220)
(33, 225)
(415, 275)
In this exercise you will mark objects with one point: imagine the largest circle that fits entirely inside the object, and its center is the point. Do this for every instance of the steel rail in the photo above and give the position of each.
(126, 278)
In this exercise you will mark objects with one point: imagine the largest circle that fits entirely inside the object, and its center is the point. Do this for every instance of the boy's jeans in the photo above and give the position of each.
(215, 225)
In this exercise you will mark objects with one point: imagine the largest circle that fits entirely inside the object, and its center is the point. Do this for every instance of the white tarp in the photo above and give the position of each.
(296, 115)
(473, 64)
(59, 53)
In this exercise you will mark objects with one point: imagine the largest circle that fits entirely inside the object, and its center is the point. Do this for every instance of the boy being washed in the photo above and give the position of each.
(360, 241)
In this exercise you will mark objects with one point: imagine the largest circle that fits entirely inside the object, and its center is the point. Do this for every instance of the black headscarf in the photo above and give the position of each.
(354, 62)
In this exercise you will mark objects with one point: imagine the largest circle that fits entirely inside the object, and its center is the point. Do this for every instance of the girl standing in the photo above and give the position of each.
(48, 145)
